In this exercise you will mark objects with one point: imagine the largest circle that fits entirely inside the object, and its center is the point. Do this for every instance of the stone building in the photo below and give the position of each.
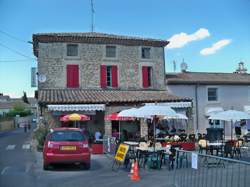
(98, 74)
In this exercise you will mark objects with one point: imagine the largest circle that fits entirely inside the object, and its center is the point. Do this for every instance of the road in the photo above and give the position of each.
(16, 159)
(21, 166)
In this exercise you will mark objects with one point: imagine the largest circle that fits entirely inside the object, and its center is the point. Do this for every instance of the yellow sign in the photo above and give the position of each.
(121, 152)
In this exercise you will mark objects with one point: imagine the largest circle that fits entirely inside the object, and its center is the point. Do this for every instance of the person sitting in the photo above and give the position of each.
(173, 130)
(98, 135)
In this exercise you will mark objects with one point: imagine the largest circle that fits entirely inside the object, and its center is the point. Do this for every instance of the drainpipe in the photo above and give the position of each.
(196, 107)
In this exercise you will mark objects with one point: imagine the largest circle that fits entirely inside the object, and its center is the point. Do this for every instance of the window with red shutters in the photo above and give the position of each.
(109, 76)
(146, 76)
(114, 77)
(103, 76)
(72, 76)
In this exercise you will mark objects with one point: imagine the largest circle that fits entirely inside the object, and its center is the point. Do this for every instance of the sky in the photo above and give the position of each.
(208, 35)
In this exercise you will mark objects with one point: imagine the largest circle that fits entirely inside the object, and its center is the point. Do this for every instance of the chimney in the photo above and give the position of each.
(241, 69)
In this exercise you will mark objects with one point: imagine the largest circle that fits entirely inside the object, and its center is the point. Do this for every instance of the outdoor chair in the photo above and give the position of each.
(228, 149)
(183, 137)
(202, 145)
(191, 137)
(199, 136)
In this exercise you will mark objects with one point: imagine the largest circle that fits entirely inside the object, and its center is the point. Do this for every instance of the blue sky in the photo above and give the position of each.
(211, 35)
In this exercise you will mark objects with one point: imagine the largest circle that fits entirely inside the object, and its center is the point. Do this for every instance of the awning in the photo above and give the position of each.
(247, 109)
(173, 104)
(90, 107)
(213, 110)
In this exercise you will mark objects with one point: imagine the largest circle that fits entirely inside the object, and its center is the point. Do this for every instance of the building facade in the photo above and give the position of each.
(211, 93)
(98, 74)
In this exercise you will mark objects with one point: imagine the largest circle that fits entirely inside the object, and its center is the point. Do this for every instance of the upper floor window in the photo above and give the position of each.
(212, 94)
(109, 76)
(145, 52)
(146, 76)
(72, 76)
(111, 51)
(72, 50)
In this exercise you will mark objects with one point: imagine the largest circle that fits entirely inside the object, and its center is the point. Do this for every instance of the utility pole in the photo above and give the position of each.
(92, 15)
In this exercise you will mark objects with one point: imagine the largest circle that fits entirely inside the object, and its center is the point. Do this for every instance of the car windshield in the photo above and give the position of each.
(67, 136)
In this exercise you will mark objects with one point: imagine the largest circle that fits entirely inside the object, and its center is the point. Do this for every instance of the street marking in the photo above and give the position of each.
(26, 146)
(4, 170)
(10, 147)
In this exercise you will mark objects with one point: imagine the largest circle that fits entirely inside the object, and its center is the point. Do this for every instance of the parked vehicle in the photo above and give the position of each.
(66, 145)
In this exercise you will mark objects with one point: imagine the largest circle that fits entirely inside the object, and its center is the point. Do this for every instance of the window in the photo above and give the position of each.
(212, 94)
(108, 76)
(72, 136)
(111, 51)
(146, 76)
(145, 52)
(72, 50)
(72, 76)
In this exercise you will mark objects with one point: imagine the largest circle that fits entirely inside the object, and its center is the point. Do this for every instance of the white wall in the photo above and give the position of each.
(229, 96)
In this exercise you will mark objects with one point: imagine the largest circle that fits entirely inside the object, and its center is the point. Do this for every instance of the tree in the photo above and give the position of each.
(25, 99)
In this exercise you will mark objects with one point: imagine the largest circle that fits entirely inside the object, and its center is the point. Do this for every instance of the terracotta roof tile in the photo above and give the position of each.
(80, 96)
(208, 78)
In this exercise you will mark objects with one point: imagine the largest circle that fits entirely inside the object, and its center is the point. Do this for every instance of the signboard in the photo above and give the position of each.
(121, 152)
(194, 160)
(33, 77)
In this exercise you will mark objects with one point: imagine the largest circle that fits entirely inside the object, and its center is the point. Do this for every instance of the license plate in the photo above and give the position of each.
(68, 148)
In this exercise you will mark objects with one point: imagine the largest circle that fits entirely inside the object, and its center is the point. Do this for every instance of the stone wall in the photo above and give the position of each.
(52, 61)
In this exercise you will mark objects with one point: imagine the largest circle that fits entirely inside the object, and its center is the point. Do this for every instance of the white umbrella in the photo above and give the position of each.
(177, 116)
(128, 112)
(154, 110)
(149, 111)
(230, 115)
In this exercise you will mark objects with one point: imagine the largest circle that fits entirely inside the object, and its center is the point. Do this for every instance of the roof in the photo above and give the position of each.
(94, 37)
(6, 105)
(81, 96)
(208, 78)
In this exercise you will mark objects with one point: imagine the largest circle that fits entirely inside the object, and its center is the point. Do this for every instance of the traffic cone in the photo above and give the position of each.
(135, 176)
(132, 169)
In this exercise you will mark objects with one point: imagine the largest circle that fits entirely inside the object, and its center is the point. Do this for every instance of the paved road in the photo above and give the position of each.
(16, 159)
(22, 167)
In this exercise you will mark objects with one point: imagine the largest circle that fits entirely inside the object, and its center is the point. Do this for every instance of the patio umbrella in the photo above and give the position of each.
(178, 116)
(75, 117)
(230, 115)
(149, 111)
(115, 117)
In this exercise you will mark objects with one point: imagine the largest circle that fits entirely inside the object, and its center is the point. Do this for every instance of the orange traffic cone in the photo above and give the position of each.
(135, 176)
(132, 168)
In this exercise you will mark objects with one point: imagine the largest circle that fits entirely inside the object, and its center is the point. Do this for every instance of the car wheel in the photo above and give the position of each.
(87, 166)
(45, 166)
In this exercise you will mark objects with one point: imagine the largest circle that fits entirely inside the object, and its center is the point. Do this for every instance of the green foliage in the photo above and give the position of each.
(39, 135)
(19, 109)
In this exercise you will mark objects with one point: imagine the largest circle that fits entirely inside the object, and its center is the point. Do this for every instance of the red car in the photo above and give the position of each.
(66, 145)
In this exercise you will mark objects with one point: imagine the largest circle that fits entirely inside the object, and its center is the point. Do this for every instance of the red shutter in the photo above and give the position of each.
(72, 76)
(145, 76)
(114, 77)
(103, 76)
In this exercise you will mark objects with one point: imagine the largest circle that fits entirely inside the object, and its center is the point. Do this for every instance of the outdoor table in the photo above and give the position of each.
(131, 143)
(215, 146)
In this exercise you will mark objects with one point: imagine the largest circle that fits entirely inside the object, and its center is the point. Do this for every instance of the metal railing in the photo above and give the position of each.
(212, 171)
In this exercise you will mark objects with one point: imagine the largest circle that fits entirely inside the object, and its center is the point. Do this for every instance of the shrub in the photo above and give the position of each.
(39, 135)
